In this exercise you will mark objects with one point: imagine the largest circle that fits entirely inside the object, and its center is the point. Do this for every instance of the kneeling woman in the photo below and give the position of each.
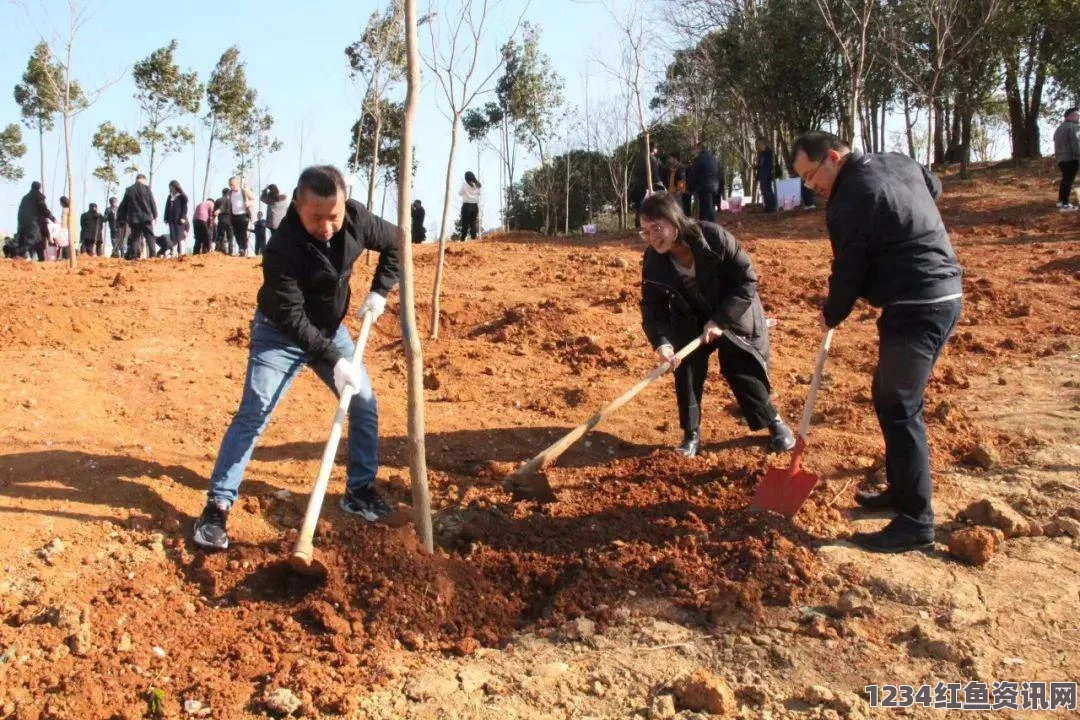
(697, 281)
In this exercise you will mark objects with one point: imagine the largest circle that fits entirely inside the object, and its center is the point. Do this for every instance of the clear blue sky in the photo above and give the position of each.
(295, 59)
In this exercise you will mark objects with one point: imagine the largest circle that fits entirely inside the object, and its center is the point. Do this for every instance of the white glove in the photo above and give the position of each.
(373, 303)
(345, 375)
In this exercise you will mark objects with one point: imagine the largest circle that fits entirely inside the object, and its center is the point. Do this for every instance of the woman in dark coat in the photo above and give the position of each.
(697, 281)
(176, 208)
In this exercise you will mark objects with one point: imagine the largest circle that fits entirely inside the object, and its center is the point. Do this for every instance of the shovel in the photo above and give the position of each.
(784, 490)
(528, 483)
(303, 558)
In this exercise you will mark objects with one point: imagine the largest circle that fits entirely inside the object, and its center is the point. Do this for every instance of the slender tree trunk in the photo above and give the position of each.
(965, 144)
(566, 220)
(414, 359)
(437, 290)
(373, 173)
(41, 149)
(908, 126)
(1017, 128)
(150, 170)
(209, 155)
(1031, 128)
(936, 137)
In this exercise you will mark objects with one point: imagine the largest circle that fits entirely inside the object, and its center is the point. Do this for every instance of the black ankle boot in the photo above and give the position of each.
(690, 444)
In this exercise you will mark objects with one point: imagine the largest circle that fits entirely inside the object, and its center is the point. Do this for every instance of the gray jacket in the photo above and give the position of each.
(1066, 142)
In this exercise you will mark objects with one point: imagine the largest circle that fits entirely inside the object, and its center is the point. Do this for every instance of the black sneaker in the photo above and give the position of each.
(874, 500)
(900, 535)
(210, 527)
(781, 439)
(365, 502)
(690, 444)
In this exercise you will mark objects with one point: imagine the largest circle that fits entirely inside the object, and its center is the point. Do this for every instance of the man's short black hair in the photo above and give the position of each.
(816, 144)
(140, 176)
(322, 181)
(35, 186)
(1070, 111)
(93, 206)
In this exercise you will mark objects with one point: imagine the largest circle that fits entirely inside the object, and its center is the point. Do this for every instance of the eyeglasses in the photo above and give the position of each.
(809, 179)
(650, 230)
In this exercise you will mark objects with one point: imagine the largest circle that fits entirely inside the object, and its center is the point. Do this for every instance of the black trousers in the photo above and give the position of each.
(240, 231)
(910, 340)
(1068, 176)
(768, 194)
(470, 216)
(202, 237)
(140, 233)
(706, 205)
(744, 375)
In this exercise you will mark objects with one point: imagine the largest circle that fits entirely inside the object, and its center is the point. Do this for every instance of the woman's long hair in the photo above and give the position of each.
(664, 206)
(471, 179)
(175, 186)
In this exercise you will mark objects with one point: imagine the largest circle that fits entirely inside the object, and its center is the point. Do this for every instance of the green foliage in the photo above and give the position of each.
(163, 93)
(40, 95)
(116, 148)
(11, 149)
(251, 139)
(229, 100)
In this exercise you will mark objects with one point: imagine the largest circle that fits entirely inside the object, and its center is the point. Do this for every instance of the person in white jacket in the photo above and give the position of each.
(470, 206)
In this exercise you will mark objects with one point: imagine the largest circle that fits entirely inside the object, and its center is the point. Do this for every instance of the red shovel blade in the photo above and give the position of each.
(784, 490)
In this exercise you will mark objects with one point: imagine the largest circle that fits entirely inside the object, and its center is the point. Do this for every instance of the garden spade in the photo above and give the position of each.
(529, 483)
(784, 490)
(303, 558)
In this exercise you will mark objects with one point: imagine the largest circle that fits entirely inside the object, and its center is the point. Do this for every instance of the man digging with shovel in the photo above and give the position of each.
(303, 300)
(890, 247)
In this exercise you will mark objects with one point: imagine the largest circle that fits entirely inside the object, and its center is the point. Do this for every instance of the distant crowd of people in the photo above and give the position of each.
(223, 225)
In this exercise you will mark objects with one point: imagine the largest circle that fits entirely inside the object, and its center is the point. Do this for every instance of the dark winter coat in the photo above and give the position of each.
(765, 165)
(704, 174)
(91, 227)
(33, 214)
(305, 294)
(419, 232)
(674, 315)
(888, 240)
(176, 209)
(110, 220)
(138, 205)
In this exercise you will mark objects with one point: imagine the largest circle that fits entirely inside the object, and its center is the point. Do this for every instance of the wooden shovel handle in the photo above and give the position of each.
(552, 452)
(303, 548)
(815, 383)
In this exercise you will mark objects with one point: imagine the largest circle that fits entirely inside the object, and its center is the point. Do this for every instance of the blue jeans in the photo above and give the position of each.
(910, 339)
(274, 361)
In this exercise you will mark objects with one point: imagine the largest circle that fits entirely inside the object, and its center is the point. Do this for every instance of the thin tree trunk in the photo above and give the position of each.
(414, 359)
(566, 220)
(437, 290)
(908, 125)
(935, 138)
(374, 162)
(209, 154)
(150, 170)
(965, 144)
(41, 149)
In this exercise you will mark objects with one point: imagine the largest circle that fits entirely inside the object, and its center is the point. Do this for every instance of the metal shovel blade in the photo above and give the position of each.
(784, 490)
(530, 485)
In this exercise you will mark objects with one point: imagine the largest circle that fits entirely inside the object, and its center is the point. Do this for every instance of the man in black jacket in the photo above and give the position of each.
(704, 181)
(138, 211)
(890, 247)
(303, 300)
(32, 218)
(91, 231)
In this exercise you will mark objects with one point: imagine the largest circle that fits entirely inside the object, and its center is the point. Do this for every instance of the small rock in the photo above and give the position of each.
(856, 601)
(581, 628)
(81, 642)
(983, 456)
(159, 652)
(662, 707)
(473, 678)
(124, 643)
(430, 686)
(974, 545)
(53, 548)
(188, 609)
(620, 262)
(701, 691)
(549, 670)
(819, 695)
(281, 702)
(1069, 526)
(999, 514)
(283, 495)
(66, 617)
(192, 707)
